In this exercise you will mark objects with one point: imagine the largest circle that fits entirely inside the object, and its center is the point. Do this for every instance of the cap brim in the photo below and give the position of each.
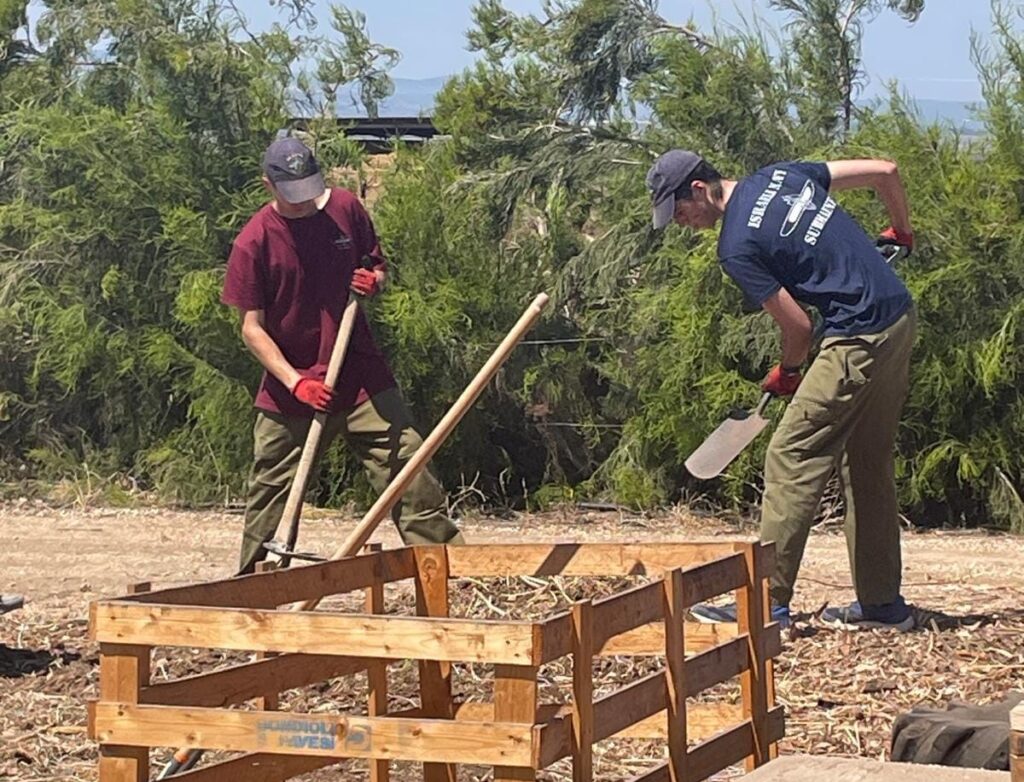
(295, 191)
(663, 212)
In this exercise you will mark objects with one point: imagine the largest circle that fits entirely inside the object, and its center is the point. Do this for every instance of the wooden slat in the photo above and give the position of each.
(751, 615)
(248, 680)
(613, 713)
(515, 702)
(703, 720)
(626, 610)
(325, 735)
(703, 582)
(581, 559)
(377, 672)
(256, 767)
(270, 699)
(583, 616)
(624, 623)
(720, 752)
(435, 676)
(675, 675)
(393, 637)
(290, 585)
(649, 640)
(732, 746)
(124, 671)
(639, 702)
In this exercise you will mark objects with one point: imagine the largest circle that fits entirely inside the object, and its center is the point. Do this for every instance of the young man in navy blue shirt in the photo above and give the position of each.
(787, 243)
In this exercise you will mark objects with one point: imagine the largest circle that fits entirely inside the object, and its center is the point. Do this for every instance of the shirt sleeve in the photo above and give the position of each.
(753, 278)
(243, 281)
(818, 172)
(367, 242)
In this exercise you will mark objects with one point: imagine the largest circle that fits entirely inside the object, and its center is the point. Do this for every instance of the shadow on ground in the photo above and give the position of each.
(15, 663)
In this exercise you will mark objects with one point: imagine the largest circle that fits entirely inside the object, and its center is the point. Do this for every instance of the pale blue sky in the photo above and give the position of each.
(931, 58)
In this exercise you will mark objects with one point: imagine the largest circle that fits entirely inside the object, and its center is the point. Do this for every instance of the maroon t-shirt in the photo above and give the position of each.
(298, 272)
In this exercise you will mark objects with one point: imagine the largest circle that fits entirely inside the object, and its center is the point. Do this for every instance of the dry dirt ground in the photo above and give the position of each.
(841, 689)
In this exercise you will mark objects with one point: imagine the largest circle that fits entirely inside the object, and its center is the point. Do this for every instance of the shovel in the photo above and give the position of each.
(727, 441)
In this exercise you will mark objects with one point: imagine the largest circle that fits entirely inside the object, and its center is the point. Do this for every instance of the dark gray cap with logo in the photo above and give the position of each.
(670, 172)
(290, 166)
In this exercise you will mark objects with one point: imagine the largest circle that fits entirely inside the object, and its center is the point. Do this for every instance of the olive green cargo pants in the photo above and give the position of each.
(843, 418)
(381, 433)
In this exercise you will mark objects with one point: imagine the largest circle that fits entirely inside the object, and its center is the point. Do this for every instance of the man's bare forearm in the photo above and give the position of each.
(267, 352)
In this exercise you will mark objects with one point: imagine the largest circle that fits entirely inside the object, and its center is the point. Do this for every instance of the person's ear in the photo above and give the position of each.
(269, 186)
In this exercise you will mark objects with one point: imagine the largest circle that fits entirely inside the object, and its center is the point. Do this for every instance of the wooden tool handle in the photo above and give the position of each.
(397, 487)
(297, 491)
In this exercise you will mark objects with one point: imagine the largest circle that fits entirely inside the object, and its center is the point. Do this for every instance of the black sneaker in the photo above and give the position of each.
(893, 616)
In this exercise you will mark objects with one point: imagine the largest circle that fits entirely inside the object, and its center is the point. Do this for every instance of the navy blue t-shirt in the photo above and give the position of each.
(781, 229)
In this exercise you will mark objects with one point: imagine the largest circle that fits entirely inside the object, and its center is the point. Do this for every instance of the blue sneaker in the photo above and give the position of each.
(893, 616)
(712, 614)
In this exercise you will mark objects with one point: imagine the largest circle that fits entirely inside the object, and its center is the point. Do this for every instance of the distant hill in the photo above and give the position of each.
(415, 97)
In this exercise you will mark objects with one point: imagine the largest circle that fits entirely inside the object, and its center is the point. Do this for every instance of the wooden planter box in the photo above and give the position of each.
(515, 733)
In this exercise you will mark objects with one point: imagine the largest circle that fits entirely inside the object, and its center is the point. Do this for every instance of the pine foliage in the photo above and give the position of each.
(130, 136)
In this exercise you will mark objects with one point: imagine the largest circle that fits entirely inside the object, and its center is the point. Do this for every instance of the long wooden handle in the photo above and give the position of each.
(400, 483)
(297, 491)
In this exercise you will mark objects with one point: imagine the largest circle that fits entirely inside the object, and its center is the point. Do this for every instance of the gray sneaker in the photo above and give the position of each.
(10, 603)
(892, 616)
(708, 613)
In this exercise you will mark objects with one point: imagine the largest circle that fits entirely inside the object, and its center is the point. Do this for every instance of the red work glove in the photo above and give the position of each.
(314, 393)
(782, 382)
(890, 236)
(367, 282)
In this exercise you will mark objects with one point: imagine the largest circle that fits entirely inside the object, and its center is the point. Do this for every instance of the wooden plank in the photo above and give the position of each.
(321, 632)
(675, 675)
(435, 676)
(703, 720)
(1016, 742)
(269, 700)
(1017, 768)
(243, 682)
(377, 672)
(625, 622)
(325, 735)
(290, 585)
(640, 703)
(581, 559)
(649, 640)
(732, 746)
(582, 744)
(256, 767)
(703, 582)
(515, 702)
(716, 754)
(625, 611)
(1017, 718)
(124, 671)
(612, 713)
(751, 614)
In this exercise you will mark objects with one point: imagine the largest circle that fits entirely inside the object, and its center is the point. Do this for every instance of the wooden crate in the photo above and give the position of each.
(516, 733)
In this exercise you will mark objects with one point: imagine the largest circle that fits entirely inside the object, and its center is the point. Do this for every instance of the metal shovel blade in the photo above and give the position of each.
(727, 442)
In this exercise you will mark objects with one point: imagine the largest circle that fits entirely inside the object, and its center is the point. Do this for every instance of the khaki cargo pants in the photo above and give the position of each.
(381, 433)
(843, 418)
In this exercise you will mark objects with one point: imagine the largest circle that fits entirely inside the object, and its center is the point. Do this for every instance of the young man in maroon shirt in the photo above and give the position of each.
(290, 272)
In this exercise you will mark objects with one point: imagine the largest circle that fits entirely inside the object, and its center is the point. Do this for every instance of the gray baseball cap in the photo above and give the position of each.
(290, 166)
(670, 172)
